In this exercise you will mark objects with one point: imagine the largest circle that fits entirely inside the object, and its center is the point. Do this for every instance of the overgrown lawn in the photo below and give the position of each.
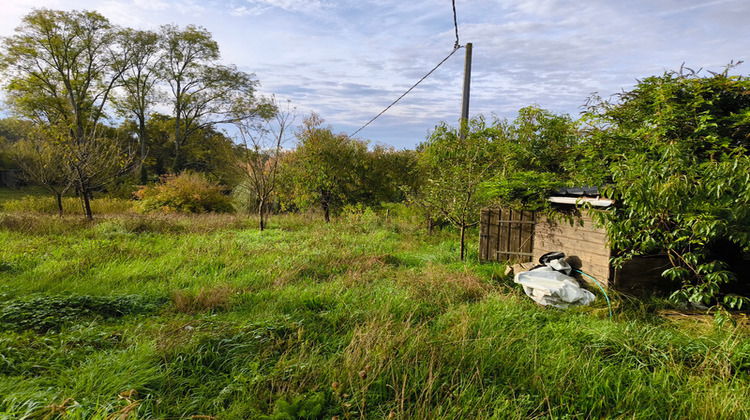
(180, 317)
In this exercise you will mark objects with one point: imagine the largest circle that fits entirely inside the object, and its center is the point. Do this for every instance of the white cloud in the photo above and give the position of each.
(151, 4)
(244, 11)
(304, 6)
(348, 59)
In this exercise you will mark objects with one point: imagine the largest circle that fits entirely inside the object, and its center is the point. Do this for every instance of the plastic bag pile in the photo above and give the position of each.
(550, 284)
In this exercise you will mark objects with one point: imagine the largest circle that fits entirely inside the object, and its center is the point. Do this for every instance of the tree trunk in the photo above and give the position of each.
(325, 203)
(144, 175)
(142, 136)
(59, 203)
(177, 167)
(261, 211)
(326, 211)
(87, 204)
(178, 164)
(463, 237)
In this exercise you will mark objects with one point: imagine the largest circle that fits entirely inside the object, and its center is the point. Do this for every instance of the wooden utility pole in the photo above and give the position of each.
(467, 86)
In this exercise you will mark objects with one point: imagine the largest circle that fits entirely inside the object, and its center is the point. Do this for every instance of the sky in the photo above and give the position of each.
(347, 60)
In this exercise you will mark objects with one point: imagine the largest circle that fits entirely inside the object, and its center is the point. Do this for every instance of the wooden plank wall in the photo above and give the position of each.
(506, 235)
(586, 247)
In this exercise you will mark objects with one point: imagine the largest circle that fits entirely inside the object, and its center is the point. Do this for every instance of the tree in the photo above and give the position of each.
(325, 166)
(536, 156)
(544, 139)
(676, 151)
(387, 174)
(260, 149)
(139, 84)
(60, 69)
(456, 165)
(203, 92)
(42, 163)
(12, 130)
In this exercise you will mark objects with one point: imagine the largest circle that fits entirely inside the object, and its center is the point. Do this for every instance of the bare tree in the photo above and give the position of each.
(261, 139)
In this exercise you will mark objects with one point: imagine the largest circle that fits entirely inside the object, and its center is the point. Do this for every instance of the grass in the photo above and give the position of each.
(37, 200)
(172, 317)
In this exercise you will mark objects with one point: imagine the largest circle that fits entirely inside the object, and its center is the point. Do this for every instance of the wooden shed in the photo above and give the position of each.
(524, 236)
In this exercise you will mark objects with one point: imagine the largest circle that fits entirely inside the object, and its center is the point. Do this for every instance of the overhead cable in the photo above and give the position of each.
(455, 23)
(407, 92)
(456, 47)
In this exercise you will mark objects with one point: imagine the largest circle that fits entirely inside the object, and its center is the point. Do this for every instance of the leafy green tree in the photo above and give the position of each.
(544, 139)
(384, 175)
(455, 166)
(60, 69)
(12, 130)
(536, 155)
(203, 92)
(325, 167)
(675, 149)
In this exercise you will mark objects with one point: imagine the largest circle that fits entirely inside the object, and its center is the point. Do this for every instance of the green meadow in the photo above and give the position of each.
(134, 316)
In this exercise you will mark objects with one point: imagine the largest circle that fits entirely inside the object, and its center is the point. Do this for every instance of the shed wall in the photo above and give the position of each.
(585, 246)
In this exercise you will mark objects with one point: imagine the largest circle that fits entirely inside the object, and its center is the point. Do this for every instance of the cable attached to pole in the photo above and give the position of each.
(455, 24)
(456, 47)
(407, 92)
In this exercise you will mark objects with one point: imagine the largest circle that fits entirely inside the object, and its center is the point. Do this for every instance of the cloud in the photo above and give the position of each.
(151, 4)
(243, 11)
(302, 6)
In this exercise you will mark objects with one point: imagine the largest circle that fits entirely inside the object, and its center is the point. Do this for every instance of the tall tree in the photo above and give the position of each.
(139, 83)
(60, 69)
(203, 92)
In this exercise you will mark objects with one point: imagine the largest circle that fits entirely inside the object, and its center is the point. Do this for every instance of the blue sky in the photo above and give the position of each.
(349, 59)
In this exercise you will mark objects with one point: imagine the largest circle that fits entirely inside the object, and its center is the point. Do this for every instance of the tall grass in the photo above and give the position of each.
(71, 205)
(363, 318)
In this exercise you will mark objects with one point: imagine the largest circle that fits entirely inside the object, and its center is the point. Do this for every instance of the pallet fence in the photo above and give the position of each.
(506, 235)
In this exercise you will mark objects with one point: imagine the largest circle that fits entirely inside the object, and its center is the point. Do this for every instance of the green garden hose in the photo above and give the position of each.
(600, 287)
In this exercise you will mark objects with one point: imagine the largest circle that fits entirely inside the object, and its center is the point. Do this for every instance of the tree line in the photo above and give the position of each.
(71, 74)
(88, 96)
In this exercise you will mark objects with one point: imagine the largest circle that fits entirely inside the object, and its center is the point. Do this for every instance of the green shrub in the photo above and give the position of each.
(185, 193)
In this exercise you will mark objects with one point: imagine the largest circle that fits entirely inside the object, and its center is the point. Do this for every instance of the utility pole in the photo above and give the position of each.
(467, 85)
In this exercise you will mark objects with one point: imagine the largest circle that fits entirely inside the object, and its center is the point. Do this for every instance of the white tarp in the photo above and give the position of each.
(549, 287)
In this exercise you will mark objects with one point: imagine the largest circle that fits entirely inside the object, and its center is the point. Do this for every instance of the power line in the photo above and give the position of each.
(456, 47)
(455, 23)
(407, 92)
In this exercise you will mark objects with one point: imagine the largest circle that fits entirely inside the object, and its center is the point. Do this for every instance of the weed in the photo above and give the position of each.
(185, 193)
